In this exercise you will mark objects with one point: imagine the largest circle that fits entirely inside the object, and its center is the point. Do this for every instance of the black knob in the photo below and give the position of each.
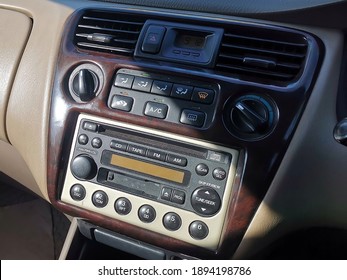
(85, 84)
(83, 167)
(340, 132)
(251, 117)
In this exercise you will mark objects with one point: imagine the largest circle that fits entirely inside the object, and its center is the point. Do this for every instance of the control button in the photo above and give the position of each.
(77, 192)
(191, 117)
(185, 53)
(118, 145)
(198, 230)
(96, 143)
(172, 221)
(203, 95)
(219, 174)
(176, 51)
(83, 139)
(182, 91)
(121, 102)
(153, 38)
(218, 157)
(83, 167)
(177, 160)
(90, 126)
(156, 155)
(178, 197)
(122, 206)
(162, 88)
(142, 84)
(201, 169)
(124, 80)
(205, 201)
(156, 110)
(195, 54)
(100, 199)
(147, 213)
(166, 193)
(137, 150)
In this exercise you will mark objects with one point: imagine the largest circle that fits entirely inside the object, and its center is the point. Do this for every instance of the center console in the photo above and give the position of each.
(168, 129)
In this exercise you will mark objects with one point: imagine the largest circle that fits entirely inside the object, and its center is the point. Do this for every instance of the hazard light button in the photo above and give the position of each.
(156, 110)
(205, 201)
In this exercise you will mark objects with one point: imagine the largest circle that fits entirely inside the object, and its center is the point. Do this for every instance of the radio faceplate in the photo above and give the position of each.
(176, 186)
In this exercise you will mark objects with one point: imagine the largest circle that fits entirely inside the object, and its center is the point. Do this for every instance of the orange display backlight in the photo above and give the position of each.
(148, 168)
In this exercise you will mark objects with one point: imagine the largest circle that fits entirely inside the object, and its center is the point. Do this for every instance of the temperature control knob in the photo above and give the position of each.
(83, 167)
(85, 84)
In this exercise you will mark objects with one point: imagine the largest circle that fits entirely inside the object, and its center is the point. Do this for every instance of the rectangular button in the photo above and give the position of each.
(124, 81)
(195, 118)
(90, 126)
(118, 145)
(177, 160)
(156, 110)
(156, 155)
(142, 84)
(203, 95)
(178, 197)
(153, 38)
(162, 88)
(166, 193)
(137, 150)
(120, 102)
(182, 91)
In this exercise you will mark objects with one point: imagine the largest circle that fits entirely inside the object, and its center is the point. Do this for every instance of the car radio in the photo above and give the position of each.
(173, 185)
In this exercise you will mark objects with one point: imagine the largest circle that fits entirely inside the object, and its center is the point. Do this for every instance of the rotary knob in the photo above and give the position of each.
(85, 84)
(251, 117)
(83, 167)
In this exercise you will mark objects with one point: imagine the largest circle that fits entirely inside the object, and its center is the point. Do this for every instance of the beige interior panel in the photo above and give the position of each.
(309, 188)
(14, 31)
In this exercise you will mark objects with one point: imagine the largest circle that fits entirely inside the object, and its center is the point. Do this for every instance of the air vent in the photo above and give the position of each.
(267, 56)
(109, 32)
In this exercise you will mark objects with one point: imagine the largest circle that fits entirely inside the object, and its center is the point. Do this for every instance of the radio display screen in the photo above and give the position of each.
(147, 168)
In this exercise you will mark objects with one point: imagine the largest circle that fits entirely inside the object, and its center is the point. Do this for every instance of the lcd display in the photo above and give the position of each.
(189, 41)
(148, 168)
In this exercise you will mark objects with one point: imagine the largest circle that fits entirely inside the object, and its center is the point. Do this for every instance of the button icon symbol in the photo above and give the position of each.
(153, 37)
(181, 91)
(162, 88)
(192, 117)
(142, 84)
(124, 80)
(202, 95)
(121, 103)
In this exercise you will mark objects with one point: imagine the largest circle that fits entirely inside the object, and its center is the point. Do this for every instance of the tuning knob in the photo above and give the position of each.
(85, 82)
(251, 117)
(83, 167)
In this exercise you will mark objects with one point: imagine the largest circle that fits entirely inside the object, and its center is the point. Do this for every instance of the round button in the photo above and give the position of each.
(100, 199)
(219, 174)
(83, 167)
(83, 139)
(77, 192)
(198, 230)
(147, 213)
(205, 201)
(172, 221)
(201, 169)
(96, 142)
(122, 206)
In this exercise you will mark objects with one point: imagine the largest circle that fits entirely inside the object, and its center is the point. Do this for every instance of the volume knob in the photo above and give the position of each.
(83, 167)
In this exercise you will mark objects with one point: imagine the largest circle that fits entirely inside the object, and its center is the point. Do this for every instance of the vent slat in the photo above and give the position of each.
(262, 55)
(110, 32)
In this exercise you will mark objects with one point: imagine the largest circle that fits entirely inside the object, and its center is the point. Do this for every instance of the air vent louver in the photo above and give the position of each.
(267, 56)
(109, 32)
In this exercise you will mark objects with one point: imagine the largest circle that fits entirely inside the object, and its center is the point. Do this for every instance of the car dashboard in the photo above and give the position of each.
(174, 130)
